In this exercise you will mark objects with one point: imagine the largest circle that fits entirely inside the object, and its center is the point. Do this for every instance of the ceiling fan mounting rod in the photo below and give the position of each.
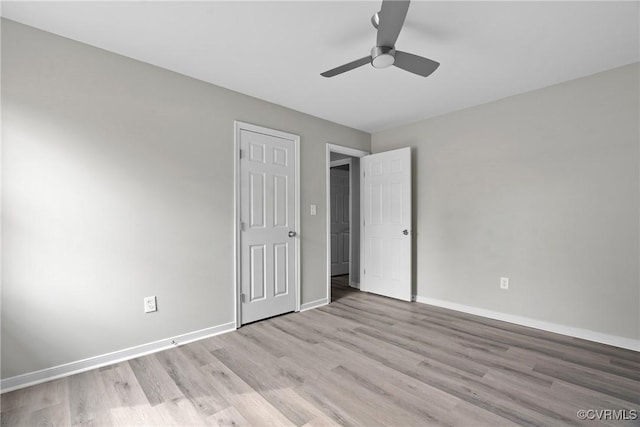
(375, 20)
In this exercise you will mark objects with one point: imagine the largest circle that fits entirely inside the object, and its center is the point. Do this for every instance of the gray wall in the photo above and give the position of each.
(337, 156)
(117, 183)
(542, 188)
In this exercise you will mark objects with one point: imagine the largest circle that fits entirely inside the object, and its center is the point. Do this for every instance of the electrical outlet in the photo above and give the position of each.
(504, 283)
(150, 304)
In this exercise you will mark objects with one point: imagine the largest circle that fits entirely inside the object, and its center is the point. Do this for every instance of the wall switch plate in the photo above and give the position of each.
(504, 283)
(150, 304)
(314, 210)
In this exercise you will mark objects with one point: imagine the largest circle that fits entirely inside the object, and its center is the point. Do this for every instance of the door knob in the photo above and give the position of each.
(292, 234)
(405, 232)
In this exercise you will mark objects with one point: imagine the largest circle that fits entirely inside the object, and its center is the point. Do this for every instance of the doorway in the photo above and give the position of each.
(343, 218)
(384, 253)
(341, 221)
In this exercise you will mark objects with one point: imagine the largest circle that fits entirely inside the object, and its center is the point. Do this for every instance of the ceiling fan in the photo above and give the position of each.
(388, 21)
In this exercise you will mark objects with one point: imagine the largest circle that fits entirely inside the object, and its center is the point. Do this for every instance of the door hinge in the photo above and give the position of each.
(240, 153)
(243, 298)
(365, 271)
(243, 226)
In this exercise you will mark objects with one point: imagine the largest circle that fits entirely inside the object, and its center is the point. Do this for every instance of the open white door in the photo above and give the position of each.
(386, 214)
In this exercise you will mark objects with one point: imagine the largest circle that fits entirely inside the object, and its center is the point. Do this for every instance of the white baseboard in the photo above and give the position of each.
(584, 334)
(48, 374)
(355, 285)
(313, 304)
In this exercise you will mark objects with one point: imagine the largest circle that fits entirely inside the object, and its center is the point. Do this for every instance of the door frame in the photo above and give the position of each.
(333, 148)
(237, 271)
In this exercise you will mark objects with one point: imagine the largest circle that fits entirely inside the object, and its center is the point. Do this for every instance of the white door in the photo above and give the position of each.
(268, 225)
(386, 216)
(340, 220)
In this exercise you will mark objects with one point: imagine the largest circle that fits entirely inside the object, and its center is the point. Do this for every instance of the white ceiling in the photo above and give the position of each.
(276, 50)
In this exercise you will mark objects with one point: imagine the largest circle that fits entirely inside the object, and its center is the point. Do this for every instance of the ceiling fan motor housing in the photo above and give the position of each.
(382, 56)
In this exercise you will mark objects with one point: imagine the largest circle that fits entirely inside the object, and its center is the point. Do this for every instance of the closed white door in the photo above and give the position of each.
(340, 217)
(386, 215)
(268, 229)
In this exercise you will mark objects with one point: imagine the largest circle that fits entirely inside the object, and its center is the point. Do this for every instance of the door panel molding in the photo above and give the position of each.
(257, 154)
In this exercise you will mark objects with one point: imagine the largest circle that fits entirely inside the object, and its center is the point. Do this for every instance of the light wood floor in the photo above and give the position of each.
(362, 360)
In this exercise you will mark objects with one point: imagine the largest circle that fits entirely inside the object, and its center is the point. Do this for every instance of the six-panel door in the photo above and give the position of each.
(387, 223)
(267, 215)
(340, 220)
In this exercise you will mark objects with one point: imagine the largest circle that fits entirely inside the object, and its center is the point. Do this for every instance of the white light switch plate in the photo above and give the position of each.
(314, 209)
(150, 304)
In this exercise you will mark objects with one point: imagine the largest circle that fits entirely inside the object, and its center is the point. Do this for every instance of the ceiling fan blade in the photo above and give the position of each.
(347, 67)
(391, 17)
(415, 64)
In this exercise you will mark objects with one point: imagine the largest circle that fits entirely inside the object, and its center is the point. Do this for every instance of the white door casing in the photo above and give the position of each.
(267, 225)
(340, 219)
(386, 216)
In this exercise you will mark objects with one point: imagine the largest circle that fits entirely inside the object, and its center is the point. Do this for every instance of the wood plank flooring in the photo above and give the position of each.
(363, 360)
